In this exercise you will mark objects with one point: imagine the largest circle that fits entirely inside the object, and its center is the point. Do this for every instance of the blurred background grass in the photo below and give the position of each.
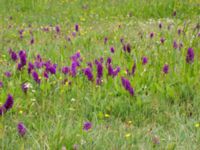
(55, 11)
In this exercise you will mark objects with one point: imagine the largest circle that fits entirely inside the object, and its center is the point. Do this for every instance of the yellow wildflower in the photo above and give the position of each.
(129, 122)
(107, 115)
(66, 83)
(197, 125)
(20, 112)
(127, 135)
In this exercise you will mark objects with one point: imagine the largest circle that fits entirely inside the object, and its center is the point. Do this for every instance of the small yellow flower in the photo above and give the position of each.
(20, 112)
(130, 122)
(66, 83)
(197, 125)
(127, 135)
(107, 115)
(60, 78)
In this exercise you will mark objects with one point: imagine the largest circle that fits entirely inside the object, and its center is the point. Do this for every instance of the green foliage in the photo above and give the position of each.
(165, 107)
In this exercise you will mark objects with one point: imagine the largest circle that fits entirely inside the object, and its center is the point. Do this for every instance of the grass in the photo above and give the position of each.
(164, 108)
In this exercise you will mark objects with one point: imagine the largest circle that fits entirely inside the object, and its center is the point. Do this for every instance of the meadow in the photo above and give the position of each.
(99, 74)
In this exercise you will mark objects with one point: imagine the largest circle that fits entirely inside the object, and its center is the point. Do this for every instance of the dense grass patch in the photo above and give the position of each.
(157, 105)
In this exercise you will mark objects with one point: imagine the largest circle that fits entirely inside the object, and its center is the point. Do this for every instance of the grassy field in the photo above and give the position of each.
(87, 105)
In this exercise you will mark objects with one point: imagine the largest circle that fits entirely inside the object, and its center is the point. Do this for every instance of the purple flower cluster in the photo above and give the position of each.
(21, 32)
(127, 85)
(30, 67)
(89, 64)
(165, 69)
(50, 68)
(111, 71)
(179, 31)
(45, 29)
(127, 48)
(160, 25)
(177, 46)
(162, 40)
(75, 63)
(65, 70)
(21, 129)
(13, 55)
(22, 56)
(88, 72)
(45, 75)
(112, 49)
(32, 41)
(105, 40)
(36, 77)
(8, 74)
(190, 55)
(7, 105)
(38, 62)
(151, 35)
(57, 28)
(99, 67)
(73, 68)
(144, 60)
(87, 126)
(109, 60)
(76, 27)
(74, 34)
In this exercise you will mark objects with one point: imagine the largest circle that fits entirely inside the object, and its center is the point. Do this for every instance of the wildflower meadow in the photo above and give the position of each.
(99, 74)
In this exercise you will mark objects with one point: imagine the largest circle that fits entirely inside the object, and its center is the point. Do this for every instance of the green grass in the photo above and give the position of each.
(164, 106)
